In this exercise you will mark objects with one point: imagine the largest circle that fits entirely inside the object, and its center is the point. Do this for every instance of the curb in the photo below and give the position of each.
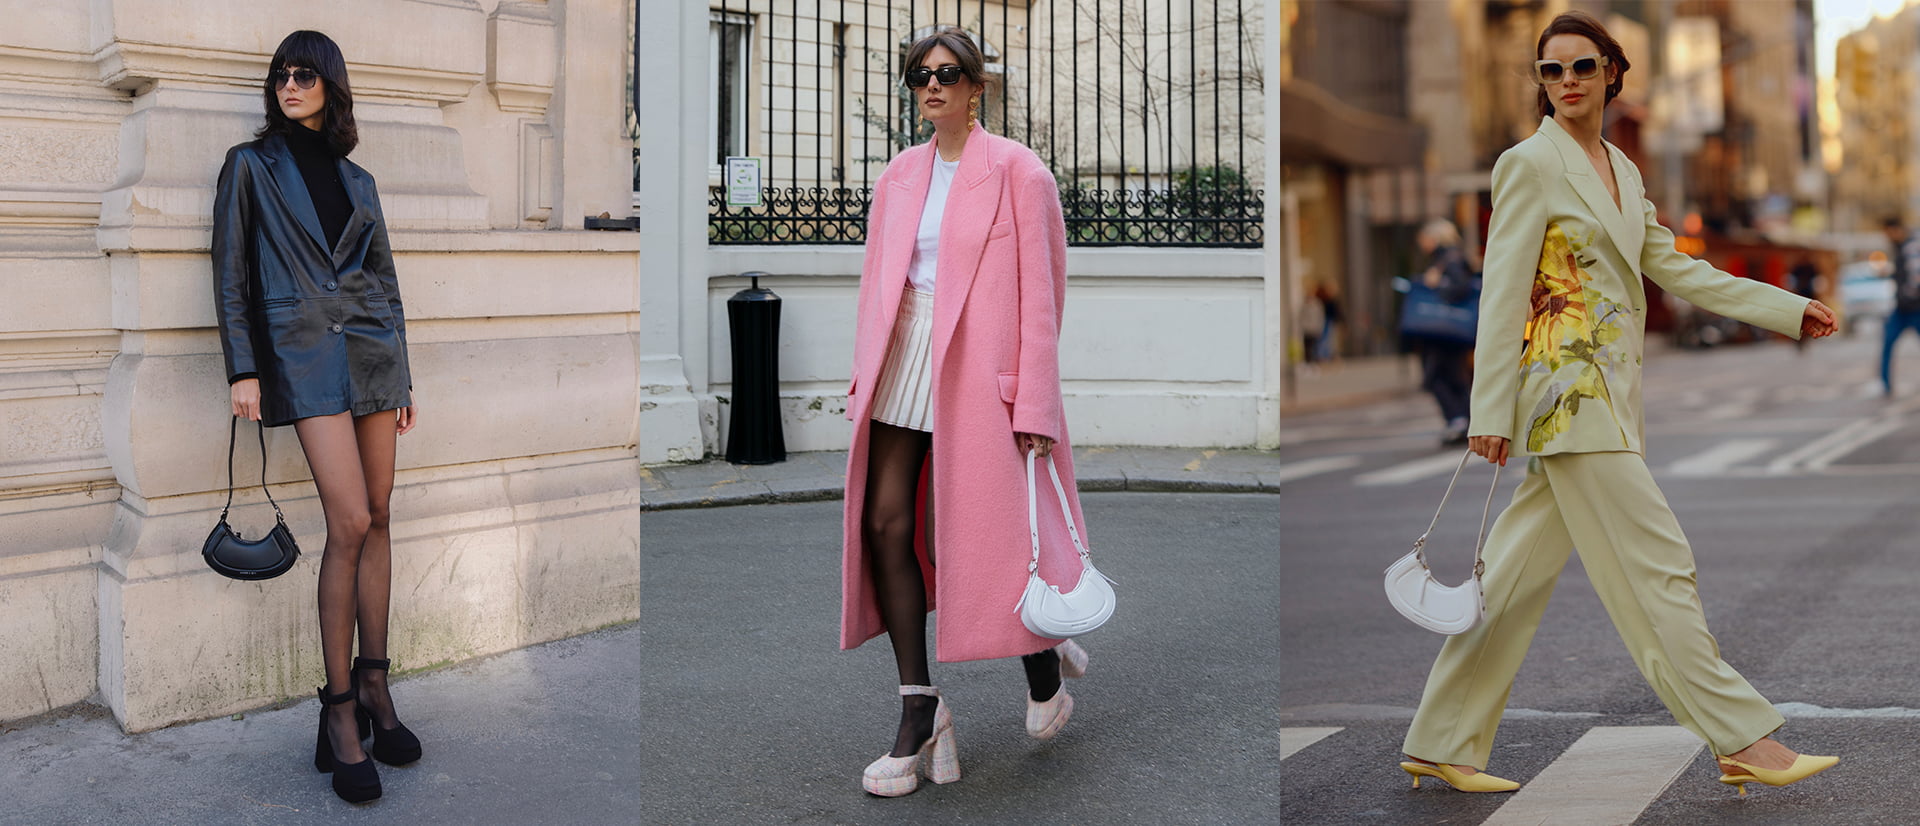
(1340, 402)
(825, 490)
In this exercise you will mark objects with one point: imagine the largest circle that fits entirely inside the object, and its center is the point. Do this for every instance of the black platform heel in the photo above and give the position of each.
(395, 746)
(353, 782)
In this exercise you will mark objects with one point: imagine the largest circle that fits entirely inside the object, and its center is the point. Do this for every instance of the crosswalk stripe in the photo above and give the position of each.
(1834, 444)
(1314, 467)
(1715, 460)
(1610, 775)
(1405, 472)
(1292, 740)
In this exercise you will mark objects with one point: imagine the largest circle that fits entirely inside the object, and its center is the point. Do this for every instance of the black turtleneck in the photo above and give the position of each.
(322, 176)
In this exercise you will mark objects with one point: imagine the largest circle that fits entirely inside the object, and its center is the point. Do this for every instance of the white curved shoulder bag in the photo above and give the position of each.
(1421, 598)
(1043, 608)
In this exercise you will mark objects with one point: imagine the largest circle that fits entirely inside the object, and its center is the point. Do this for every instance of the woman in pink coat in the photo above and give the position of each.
(956, 375)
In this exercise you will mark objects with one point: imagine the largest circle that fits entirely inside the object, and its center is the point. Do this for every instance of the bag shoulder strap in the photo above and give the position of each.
(233, 428)
(1033, 514)
(1479, 541)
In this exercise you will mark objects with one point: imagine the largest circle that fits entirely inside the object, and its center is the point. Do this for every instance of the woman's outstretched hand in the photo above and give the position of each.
(1492, 447)
(1034, 442)
(246, 399)
(1819, 321)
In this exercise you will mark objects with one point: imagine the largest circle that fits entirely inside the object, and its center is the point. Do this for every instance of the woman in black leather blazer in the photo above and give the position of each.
(314, 336)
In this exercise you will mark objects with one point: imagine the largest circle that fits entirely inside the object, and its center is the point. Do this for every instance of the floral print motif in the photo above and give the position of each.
(1569, 330)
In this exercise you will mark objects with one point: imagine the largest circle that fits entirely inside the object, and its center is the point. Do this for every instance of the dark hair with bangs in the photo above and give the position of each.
(972, 63)
(1584, 25)
(313, 50)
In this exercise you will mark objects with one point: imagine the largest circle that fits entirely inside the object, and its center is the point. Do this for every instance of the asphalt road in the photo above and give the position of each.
(751, 714)
(1799, 487)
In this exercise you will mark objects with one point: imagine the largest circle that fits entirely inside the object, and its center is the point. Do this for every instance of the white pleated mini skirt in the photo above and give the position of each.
(905, 395)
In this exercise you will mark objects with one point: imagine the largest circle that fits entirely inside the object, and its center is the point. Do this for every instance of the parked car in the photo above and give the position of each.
(1866, 293)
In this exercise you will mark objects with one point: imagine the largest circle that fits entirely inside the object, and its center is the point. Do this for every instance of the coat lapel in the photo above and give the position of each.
(906, 196)
(1593, 191)
(293, 189)
(360, 193)
(1631, 205)
(970, 211)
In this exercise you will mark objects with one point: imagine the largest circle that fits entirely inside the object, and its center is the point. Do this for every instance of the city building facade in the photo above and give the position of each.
(1717, 110)
(1151, 117)
(494, 128)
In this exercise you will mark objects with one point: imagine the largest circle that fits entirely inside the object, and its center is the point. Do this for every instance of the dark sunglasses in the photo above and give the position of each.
(1585, 68)
(948, 75)
(304, 78)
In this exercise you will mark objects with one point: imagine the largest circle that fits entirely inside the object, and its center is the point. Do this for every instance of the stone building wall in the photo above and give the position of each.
(493, 128)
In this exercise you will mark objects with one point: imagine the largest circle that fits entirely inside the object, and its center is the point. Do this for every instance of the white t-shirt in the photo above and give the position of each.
(926, 240)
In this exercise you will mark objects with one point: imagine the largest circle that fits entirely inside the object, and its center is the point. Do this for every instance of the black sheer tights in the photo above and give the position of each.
(894, 459)
(352, 463)
(895, 456)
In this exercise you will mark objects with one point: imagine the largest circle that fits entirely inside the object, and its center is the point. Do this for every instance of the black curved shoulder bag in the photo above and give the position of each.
(232, 556)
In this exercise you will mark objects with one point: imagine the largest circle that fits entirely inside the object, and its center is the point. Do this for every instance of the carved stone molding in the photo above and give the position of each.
(522, 56)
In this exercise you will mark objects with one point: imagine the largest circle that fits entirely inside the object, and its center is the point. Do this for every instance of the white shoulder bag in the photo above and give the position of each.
(1042, 607)
(1421, 598)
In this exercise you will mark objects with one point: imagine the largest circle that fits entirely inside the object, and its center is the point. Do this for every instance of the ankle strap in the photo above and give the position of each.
(335, 699)
(370, 663)
(924, 690)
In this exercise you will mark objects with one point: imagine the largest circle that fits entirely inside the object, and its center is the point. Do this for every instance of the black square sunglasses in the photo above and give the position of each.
(948, 75)
(304, 78)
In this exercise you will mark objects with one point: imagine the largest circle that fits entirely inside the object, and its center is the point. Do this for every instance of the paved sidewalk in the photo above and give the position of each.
(1351, 382)
(545, 734)
(814, 476)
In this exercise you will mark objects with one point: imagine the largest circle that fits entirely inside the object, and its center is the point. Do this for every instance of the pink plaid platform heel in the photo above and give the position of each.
(938, 758)
(1045, 719)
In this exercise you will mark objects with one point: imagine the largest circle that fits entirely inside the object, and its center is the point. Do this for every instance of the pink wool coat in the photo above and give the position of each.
(997, 304)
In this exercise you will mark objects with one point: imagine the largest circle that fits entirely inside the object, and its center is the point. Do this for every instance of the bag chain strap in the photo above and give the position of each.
(233, 429)
(1479, 542)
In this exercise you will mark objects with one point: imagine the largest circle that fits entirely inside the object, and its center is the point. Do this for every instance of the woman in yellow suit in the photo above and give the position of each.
(1562, 323)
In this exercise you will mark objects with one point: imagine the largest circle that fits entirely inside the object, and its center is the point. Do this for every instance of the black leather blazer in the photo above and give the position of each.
(322, 329)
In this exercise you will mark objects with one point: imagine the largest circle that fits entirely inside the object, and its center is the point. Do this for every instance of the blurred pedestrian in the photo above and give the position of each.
(1443, 364)
(1330, 321)
(1562, 331)
(1313, 323)
(1906, 295)
(1804, 278)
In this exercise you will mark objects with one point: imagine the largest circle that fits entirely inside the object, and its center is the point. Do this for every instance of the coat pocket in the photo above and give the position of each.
(1001, 230)
(1009, 386)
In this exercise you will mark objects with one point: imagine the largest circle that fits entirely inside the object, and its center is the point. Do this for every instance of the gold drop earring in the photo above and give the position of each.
(973, 112)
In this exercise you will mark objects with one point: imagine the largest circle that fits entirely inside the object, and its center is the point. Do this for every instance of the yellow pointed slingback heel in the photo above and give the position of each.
(1737, 774)
(1478, 782)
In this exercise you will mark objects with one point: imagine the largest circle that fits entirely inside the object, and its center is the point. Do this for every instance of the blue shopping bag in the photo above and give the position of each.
(1426, 316)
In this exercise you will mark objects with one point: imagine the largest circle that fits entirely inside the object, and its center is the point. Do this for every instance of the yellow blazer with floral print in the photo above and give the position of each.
(1562, 311)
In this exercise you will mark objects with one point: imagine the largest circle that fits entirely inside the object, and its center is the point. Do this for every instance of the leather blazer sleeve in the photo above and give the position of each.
(1042, 230)
(232, 264)
(1513, 256)
(379, 262)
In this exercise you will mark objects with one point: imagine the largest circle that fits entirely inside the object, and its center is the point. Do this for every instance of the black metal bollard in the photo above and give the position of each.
(754, 436)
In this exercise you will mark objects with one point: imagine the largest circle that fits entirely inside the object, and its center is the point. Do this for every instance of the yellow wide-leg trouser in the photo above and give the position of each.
(1607, 505)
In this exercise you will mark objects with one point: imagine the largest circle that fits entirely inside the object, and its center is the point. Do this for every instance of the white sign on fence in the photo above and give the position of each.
(743, 181)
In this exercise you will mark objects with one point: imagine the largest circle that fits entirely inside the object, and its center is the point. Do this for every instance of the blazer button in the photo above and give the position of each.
(333, 285)
(336, 328)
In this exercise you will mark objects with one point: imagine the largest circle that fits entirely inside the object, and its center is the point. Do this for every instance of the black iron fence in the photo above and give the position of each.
(1140, 108)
